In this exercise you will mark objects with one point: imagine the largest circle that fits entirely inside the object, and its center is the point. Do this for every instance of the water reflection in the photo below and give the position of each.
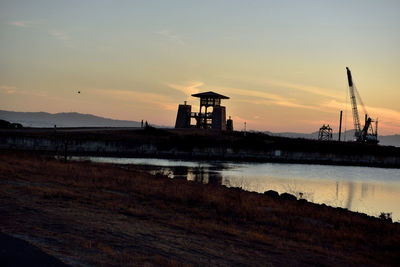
(337, 190)
(350, 195)
(200, 174)
(204, 176)
(363, 189)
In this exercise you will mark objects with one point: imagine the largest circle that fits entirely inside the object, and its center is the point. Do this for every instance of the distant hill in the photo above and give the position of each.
(70, 119)
(73, 119)
(385, 140)
(390, 140)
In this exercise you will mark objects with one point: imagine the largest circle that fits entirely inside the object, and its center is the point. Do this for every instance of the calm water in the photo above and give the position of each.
(363, 189)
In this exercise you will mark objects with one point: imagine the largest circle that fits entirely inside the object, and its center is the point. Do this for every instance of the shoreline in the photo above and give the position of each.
(191, 157)
(92, 213)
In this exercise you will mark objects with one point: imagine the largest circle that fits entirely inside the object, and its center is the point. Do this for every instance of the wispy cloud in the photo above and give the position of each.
(57, 34)
(246, 95)
(163, 101)
(258, 97)
(8, 89)
(171, 37)
(269, 82)
(24, 23)
(188, 88)
(20, 91)
(60, 35)
(305, 88)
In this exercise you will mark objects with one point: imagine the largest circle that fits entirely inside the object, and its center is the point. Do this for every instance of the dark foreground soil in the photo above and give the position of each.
(88, 214)
(17, 252)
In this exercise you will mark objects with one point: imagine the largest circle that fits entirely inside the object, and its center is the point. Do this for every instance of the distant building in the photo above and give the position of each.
(210, 116)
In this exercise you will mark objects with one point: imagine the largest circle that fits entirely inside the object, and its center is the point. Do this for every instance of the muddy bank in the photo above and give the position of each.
(99, 214)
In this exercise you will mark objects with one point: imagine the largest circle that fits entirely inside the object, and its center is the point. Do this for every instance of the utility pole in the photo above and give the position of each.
(340, 124)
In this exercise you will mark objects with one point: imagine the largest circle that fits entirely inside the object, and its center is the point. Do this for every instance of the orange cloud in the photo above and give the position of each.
(268, 82)
(265, 98)
(188, 88)
(164, 101)
(8, 89)
(25, 23)
(305, 88)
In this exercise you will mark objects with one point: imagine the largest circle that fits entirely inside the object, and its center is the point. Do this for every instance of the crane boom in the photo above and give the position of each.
(356, 118)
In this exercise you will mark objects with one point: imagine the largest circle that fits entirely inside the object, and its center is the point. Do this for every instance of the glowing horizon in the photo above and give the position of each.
(281, 63)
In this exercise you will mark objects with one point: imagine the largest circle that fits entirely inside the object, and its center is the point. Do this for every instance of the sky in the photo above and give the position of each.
(282, 63)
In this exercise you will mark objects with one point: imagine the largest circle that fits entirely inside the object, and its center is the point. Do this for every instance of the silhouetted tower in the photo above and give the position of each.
(183, 116)
(205, 118)
(215, 119)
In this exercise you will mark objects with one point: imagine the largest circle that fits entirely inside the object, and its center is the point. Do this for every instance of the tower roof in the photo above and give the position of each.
(210, 94)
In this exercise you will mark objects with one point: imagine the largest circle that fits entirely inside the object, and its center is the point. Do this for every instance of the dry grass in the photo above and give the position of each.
(101, 214)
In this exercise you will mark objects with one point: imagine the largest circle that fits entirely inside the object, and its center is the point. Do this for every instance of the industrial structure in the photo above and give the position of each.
(366, 134)
(210, 116)
(325, 133)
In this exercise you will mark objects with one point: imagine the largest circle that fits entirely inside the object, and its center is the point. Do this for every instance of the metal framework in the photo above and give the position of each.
(325, 133)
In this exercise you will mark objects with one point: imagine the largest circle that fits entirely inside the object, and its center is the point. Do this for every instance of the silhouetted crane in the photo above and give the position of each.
(367, 133)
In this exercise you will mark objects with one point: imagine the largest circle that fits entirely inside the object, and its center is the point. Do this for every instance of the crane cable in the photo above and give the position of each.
(345, 115)
(363, 107)
(360, 100)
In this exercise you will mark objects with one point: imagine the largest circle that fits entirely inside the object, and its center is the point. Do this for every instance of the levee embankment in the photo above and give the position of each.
(198, 144)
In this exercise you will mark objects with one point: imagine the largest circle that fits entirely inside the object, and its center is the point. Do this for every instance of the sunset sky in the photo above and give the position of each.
(282, 63)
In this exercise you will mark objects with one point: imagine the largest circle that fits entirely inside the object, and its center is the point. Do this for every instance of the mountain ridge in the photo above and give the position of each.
(63, 119)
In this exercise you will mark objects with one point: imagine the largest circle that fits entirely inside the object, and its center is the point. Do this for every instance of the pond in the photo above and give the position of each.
(363, 189)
